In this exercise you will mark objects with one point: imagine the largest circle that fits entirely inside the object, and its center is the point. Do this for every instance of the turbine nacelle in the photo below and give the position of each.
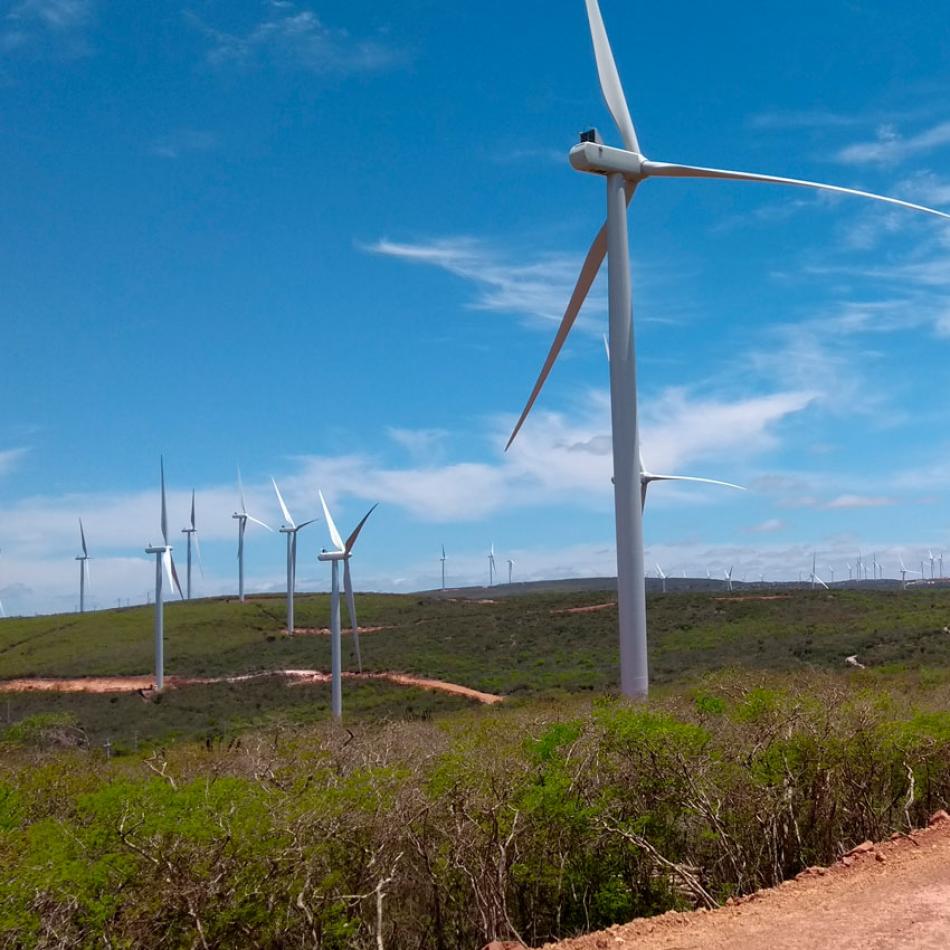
(598, 159)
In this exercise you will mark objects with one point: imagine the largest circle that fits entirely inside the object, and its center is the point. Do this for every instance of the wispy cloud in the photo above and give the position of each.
(56, 27)
(538, 287)
(889, 146)
(10, 459)
(183, 141)
(769, 526)
(291, 36)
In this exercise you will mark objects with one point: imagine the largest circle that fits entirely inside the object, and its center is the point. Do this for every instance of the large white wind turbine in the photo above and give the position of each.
(290, 529)
(83, 568)
(192, 532)
(163, 561)
(624, 169)
(243, 518)
(815, 579)
(341, 552)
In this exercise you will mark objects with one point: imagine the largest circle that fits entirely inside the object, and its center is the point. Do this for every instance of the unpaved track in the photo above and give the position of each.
(131, 684)
(894, 895)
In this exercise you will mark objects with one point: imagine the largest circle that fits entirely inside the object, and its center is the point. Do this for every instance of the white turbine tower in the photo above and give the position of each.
(662, 577)
(243, 518)
(932, 560)
(192, 533)
(163, 561)
(728, 577)
(624, 169)
(491, 566)
(290, 529)
(442, 559)
(340, 552)
(83, 568)
(511, 564)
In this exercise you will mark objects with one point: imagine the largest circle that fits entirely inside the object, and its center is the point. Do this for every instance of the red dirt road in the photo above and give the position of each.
(131, 684)
(893, 895)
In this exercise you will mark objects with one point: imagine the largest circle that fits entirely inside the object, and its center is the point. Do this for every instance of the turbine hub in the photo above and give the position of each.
(598, 159)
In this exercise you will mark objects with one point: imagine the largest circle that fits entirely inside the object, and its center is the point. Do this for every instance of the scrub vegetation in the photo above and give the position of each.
(426, 821)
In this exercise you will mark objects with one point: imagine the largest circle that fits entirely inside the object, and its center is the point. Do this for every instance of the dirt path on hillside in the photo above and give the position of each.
(893, 895)
(143, 684)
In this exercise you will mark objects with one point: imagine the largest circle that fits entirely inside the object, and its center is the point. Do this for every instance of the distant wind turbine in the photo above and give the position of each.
(815, 579)
(904, 573)
(83, 568)
(163, 561)
(443, 566)
(290, 529)
(243, 518)
(728, 576)
(192, 533)
(511, 564)
(662, 577)
(623, 170)
(491, 566)
(341, 552)
(932, 560)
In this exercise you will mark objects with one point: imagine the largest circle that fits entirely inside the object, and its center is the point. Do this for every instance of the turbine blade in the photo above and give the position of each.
(82, 536)
(193, 509)
(335, 538)
(258, 521)
(348, 591)
(665, 170)
(283, 508)
(241, 490)
(304, 525)
(201, 568)
(694, 478)
(164, 511)
(610, 78)
(351, 540)
(592, 262)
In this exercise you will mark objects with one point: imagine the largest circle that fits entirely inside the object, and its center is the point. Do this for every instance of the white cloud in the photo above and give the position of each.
(57, 27)
(890, 147)
(426, 445)
(10, 459)
(183, 141)
(538, 287)
(769, 526)
(858, 501)
(294, 37)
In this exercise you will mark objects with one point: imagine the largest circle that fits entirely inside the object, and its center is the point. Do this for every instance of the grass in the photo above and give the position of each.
(522, 647)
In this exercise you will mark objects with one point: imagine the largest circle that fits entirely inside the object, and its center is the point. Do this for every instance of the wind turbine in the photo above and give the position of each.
(443, 566)
(815, 579)
(511, 564)
(242, 519)
(904, 573)
(290, 529)
(340, 552)
(163, 561)
(191, 531)
(624, 169)
(491, 566)
(728, 576)
(83, 569)
(662, 577)
(932, 559)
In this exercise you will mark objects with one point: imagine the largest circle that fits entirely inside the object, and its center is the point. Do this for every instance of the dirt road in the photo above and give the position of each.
(893, 895)
(131, 684)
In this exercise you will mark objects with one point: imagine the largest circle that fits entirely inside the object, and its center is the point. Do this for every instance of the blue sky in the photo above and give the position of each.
(330, 242)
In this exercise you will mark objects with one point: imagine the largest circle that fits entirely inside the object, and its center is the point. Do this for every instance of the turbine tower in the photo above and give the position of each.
(511, 564)
(290, 529)
(243, 518)
(662, 577)
(728, 577)
(191, 532)
(163, 561)
(491, 566)
(624, 169)
(83, 569)
(443, 566)
(340, 552)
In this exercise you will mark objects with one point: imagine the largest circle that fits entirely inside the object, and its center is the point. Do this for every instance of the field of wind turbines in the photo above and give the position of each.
(466, 654)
